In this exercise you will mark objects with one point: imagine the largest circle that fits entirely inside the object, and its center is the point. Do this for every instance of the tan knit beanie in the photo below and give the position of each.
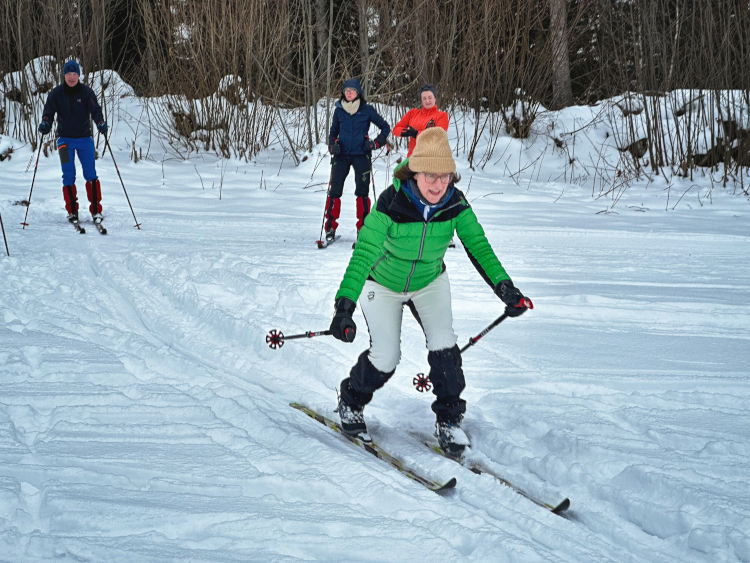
(432, 153)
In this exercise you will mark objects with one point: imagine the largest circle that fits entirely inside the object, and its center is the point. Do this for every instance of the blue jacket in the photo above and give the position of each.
(73, 107)
(351, 130)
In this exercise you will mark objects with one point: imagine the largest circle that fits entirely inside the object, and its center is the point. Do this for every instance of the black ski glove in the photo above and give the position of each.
(45, 126)
(409, 132)
(514, 300)
(342, 325)
(371, 145)
(102, 126)
(334, 148)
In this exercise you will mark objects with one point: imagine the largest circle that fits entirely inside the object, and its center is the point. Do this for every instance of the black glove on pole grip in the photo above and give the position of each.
(342, 325)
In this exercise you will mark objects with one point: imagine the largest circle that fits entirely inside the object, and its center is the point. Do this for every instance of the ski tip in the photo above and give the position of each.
(448, 486)
(562, 507)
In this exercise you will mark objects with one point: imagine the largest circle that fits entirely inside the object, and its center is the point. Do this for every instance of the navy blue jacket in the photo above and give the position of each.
(72, 106)
(351, 130)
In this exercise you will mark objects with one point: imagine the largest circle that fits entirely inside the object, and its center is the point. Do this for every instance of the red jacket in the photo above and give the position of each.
(419, 118)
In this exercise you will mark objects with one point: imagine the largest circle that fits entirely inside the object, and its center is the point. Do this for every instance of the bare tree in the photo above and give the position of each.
(562, 90)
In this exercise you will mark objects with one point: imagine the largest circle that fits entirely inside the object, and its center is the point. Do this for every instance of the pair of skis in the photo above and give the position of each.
(99, 227)
(437, 487)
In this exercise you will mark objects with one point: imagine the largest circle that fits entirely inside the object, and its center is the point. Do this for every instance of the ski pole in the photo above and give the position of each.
(106, 145)
(422, 382)
(388, 154)
(325, 208)
(28, 201)
(374, 191)
(4, 237)
(275, 338)
(388, 168)
(525, 302)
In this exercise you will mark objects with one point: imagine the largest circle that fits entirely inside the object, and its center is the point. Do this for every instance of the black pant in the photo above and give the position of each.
(446, 375)
(362, 168)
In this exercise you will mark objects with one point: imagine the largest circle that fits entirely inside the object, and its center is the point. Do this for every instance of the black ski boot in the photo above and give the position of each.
(353, 421)
(451, 438)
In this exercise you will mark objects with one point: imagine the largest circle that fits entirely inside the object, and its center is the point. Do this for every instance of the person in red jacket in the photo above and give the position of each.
(417, 120)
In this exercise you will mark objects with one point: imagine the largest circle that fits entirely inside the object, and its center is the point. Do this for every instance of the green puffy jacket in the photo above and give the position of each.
(401, 251)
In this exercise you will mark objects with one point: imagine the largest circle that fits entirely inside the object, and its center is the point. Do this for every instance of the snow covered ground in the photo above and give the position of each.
(144, 418)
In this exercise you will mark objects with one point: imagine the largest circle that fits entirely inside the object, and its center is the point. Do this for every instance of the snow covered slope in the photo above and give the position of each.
(143, 417)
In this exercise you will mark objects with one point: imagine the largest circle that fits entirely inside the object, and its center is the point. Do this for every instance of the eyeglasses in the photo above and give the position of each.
(350, 91)
(432, 178)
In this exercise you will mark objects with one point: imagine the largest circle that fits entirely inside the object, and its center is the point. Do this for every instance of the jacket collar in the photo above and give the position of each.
(72, 91)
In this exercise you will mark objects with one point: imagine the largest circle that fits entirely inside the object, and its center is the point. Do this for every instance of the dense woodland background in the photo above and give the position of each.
(227, 68)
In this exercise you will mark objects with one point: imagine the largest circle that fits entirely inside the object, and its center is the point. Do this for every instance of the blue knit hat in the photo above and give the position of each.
(72, 66)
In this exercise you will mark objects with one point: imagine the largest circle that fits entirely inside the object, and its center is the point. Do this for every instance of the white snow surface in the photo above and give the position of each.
(144, 418)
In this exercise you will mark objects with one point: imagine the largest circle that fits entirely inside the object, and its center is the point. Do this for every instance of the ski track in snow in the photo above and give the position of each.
(143, 417)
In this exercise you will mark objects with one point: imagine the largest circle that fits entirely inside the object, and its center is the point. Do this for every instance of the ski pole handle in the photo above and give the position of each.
(525, 302)
(275, 338)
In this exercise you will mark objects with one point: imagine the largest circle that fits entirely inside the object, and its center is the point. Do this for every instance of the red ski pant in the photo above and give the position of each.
(94, 193)
(333, 210)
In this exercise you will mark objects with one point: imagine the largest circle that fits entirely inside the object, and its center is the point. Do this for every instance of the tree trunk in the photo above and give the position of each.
(328, 70)
(562, 91)
(321, 29)
(446, 60)
(364, 44)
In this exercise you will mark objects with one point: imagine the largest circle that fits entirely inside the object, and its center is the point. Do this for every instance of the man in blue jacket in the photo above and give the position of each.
(350, 146)
(73, 103)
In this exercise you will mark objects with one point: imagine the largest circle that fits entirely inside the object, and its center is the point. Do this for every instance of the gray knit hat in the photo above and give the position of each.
(432, 153)
(428, 88)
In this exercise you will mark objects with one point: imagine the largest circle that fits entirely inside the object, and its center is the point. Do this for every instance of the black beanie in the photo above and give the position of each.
(428, 88)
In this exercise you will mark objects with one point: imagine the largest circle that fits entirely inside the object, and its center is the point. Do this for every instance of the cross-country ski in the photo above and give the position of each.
(476, 467)
(378, 452)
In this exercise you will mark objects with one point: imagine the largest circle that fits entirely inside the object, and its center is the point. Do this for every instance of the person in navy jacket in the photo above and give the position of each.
(350, 146)
(74, 102)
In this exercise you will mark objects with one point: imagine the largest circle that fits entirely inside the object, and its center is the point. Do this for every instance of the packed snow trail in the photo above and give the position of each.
(143, 417)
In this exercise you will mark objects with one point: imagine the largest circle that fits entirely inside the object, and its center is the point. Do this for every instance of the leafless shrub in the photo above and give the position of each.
(216, 73)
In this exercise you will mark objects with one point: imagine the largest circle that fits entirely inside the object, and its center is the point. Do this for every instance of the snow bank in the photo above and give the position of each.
(602, 148)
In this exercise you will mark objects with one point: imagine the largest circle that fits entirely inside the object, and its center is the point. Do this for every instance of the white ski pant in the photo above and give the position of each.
(383, 310)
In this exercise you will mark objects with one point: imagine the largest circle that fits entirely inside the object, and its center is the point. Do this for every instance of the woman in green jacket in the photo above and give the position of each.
(398, 261)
